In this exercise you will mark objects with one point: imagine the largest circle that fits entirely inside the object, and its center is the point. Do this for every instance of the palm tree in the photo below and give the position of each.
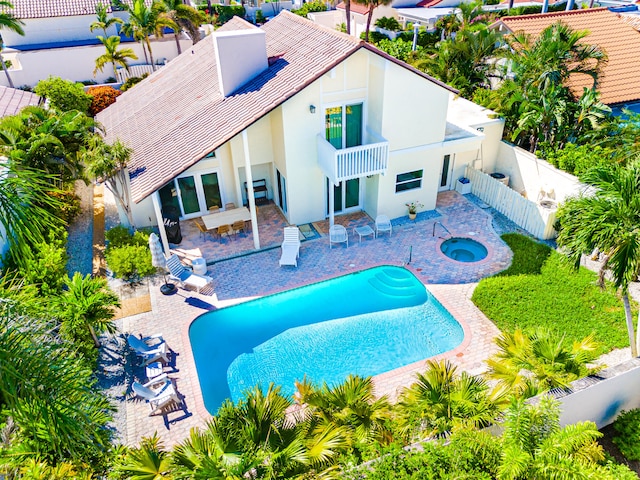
(527, 365)
(108, 164)
(104, 22)
(371, 5)
(535, 446)
(184, 17)
(113, 55)
(350, 406)
(87, 304)
(8, 21)
(143, 22)
(347, 11)
(148, 462)
(607, 219)
(441, 399)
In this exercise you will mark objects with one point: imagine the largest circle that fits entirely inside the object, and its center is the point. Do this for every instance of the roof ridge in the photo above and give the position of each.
(563, 13)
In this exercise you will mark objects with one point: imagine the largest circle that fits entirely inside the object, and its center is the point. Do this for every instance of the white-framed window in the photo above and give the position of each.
(409, 181)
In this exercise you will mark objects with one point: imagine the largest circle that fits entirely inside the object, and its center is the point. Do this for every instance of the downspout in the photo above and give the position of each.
(155, 197)
(250, 198)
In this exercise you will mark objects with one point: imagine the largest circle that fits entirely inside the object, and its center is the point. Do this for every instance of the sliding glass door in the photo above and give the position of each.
(192, 194)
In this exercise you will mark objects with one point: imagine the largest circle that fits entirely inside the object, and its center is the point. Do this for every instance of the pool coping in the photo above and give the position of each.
(386, 383)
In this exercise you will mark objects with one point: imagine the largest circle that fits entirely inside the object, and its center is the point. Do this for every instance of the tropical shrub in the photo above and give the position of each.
(398, 48)
(528, 364)
(260, 17)
(101, 98)
(86, 307)
(388, 23)
(627, 427)
(577, 160)
(64, 95)
(46, 266)
(310, 7)
(132, 81)
(121, 236)
(66, 206)
(130, 262)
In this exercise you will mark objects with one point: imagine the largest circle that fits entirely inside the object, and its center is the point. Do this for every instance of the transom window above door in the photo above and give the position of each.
(343, 125)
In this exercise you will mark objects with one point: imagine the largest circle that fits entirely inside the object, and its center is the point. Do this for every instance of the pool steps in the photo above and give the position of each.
(395, 283)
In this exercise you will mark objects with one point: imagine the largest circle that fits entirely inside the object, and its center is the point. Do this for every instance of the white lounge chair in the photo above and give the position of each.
(186, 277)
(290, 247)
(149, 352)
(159, 392)
(338, 234)
(383, 224)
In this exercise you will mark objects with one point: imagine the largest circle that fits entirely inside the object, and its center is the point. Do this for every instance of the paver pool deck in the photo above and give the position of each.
(258, 274)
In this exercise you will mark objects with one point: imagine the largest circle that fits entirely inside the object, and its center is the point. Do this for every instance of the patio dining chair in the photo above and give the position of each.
(238, 226)
(202, 228)
(159, 393)
(214, 209)
(338, 234)
(224, 230)
(229, 206)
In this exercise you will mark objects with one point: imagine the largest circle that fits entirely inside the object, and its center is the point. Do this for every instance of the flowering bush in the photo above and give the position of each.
(101, 98)
(414, 206)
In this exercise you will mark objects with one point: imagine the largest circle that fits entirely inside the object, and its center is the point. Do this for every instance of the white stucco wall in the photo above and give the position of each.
(78, 63)
(529, 175)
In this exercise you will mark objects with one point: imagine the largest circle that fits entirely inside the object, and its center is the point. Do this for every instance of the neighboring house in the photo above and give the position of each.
(619, 82)
(59, 42)
(329, 123)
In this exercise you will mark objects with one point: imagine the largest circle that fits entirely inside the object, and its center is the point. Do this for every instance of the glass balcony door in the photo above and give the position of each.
(343, 126)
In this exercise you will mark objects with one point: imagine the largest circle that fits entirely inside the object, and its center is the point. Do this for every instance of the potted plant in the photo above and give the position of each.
(413, 209)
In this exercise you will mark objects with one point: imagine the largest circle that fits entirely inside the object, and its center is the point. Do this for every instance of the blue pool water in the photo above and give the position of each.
(365, 323)
(464, 250)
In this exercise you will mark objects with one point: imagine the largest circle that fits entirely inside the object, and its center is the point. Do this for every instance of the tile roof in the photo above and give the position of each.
(177, 115)
(633, 20)
(428, 3)
(12, 100)
(619, 81)
(26, 9)
(355, 8)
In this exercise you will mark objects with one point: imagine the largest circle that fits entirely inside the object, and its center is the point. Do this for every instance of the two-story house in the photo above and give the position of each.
(330, 123)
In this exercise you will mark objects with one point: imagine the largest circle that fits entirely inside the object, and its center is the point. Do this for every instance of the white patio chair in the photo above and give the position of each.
(290, 247)
(179, 273)
(159, 392)
(149, 352)
(383, 224)
(338, 234)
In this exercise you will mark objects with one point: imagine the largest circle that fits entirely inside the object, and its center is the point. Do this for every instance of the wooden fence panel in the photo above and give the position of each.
(523, 212)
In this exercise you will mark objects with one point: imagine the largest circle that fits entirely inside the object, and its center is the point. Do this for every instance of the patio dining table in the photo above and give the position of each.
(214, 220)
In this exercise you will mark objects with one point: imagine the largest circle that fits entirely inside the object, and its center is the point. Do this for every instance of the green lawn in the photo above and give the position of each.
(541, 289)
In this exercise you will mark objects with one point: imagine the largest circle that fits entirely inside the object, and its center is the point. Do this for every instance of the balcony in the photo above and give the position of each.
(353, 162)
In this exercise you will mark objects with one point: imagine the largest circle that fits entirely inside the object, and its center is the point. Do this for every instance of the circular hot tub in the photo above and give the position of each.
(464, 250)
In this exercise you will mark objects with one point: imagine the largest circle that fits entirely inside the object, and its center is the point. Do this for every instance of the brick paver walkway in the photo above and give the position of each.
(258, 274)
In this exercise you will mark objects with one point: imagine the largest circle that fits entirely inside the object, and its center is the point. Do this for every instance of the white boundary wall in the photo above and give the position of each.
(601, 398)
(77, 63)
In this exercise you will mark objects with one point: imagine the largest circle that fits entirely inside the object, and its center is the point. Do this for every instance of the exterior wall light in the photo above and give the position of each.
(312, 108)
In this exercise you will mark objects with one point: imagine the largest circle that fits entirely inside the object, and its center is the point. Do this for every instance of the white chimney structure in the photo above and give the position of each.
(241, 55)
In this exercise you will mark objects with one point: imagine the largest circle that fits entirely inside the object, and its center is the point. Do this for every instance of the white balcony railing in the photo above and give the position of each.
(353, 162)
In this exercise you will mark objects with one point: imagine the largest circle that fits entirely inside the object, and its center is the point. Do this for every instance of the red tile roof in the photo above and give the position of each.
(619, 81)
(428, 3)
(177, 115)
(26, 9)
(12, 100)
(355, 8)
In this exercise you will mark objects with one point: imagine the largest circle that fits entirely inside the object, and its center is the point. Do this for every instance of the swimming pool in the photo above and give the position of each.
(364, 323)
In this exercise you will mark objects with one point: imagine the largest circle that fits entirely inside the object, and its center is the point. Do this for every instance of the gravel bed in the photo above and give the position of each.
(80, 240)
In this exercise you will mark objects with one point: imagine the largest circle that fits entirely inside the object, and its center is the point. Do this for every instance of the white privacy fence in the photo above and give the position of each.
(529, 215)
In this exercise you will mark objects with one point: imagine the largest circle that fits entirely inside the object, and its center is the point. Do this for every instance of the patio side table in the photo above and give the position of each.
(364, 231)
